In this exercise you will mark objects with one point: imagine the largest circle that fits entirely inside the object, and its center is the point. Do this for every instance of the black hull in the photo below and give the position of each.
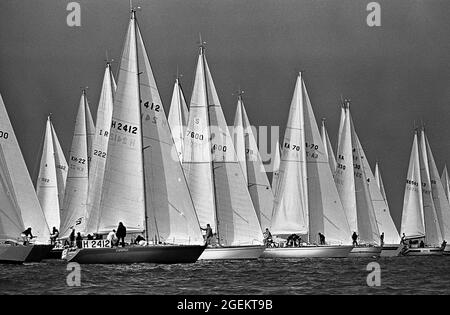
(38, 253)
(162, 254)
(55, 253)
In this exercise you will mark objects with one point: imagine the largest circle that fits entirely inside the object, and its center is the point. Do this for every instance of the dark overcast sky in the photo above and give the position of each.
(394, 74)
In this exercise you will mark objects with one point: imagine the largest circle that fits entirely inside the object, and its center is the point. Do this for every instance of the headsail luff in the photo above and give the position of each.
(90, 130)
(239, 137)
(290, 214)
(344, 175)
(433, 235)
(73, 214)
(326, 214)
(62, 169)
(258, 183)
(178, 117)
(122, 197)
(412, 218)
(169, 207)
(379, 181)
(100, 150)
(46, 183)
(365, 205)
(328, 148)
(437, 191)
(446, 182)
(276, 167)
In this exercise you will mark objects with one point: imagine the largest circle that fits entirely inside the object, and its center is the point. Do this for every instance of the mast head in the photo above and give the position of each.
(201, 44)
(239, 94)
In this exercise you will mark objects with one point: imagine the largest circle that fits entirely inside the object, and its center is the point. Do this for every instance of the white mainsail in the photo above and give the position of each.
(214, 175)
(73, 214)
(276, 167)
(178, 117)
(412, 218)
(169, 206)
(437, 191)
(326, 214)
(385, 222)
(344, 175)
(61, 169)
(46, 184)
(122, 198)
(433, 235)
(446, 182)
(290, 214)
(341, 127)
(100, 148)
(255, 173)
(328, 148)
(19, 205)
(365, 203)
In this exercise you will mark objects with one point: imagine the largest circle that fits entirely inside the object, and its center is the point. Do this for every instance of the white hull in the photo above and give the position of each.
(308, 252)
(365, 251)
(447, 250)
(391, 250)
(232, 252)
(427, 251)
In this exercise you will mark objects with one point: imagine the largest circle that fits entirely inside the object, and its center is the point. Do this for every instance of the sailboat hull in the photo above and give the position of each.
(38, 253)
(232, 252)
(162, 254)
(365, 251)
(308, 252)
(391, 250)
(55, 253)
(12, 254)
(447, 250)
(427, 251)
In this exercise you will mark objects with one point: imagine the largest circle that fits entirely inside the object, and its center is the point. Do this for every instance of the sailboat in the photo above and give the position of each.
(16, 194)
(100, 147)
(351, 182)
(306, 198)
(392, 246)
(419, 219)
(143, 186)
(328, 148)
(252, 166)
(73, 213)
(215, 176)
(178, 117)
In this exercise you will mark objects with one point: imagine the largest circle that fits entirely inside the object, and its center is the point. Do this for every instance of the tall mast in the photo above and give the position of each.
(202, 52)
(133, 17)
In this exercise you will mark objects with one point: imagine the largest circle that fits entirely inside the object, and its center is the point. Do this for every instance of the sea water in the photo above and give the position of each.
(400, 275)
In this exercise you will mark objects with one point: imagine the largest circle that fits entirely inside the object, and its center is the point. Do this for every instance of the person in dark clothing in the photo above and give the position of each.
(292, 240)
(79, 240)
(444, 244)
(268, 240)
(355, 239)
(209, 234)
(321, 239)
(422, 244)
(90, 237)
(138, 239)
(382, 239)
(121, 233)
(72, 238)
(403, 241)
(54, 236)
(27, 236)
